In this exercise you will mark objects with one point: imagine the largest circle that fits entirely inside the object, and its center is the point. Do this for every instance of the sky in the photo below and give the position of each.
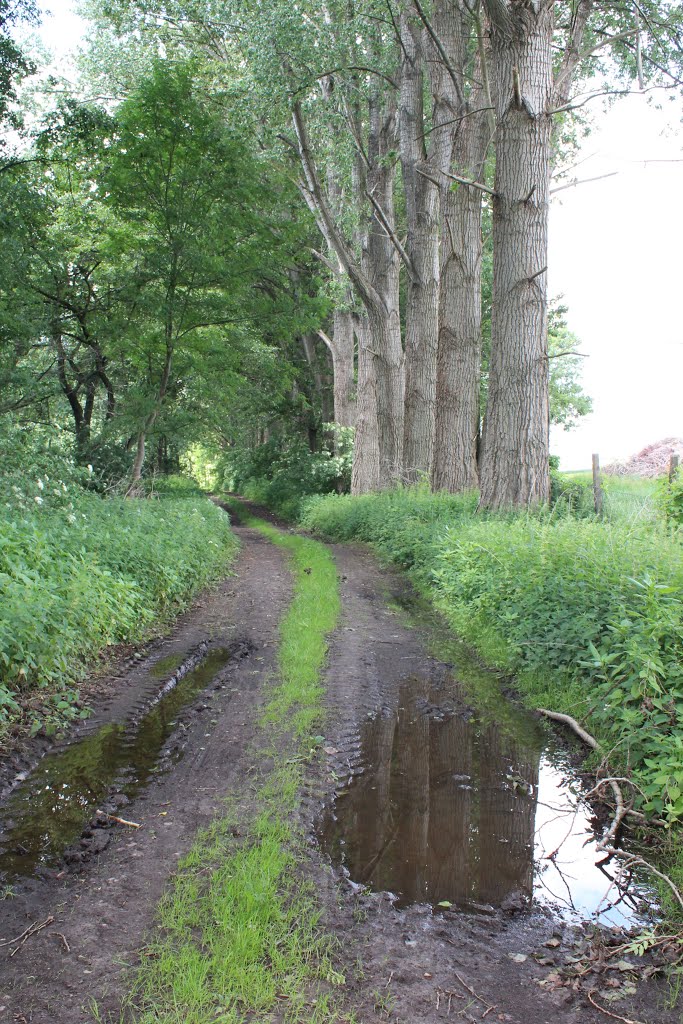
(616, 257)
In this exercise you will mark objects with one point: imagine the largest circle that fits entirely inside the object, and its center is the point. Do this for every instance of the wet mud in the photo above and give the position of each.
(58, 816)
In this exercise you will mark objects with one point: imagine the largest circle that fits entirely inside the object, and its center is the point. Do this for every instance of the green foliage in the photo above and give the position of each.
(282, 472)
(595, 609)
(669, 498)
(79, 572)
(571, 497)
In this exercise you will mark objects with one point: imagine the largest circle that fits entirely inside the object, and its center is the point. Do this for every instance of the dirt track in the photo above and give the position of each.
(401, 964)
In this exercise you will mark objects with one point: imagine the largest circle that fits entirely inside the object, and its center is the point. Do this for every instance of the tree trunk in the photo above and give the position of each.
(365, 474)
(514, 470)
(375, 281)
(458, 376)
(380, 261)
(422, 299)
(138, 464)
(343, 367)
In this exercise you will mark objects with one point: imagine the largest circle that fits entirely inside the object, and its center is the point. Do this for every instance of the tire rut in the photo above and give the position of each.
(103, 913)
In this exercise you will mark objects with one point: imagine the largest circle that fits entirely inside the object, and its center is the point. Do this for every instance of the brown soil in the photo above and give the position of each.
(400, 965)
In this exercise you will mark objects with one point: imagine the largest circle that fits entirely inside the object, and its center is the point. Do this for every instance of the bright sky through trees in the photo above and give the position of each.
(615, 257)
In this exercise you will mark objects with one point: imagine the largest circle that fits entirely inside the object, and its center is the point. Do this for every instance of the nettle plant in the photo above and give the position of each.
(670, 498)
(640, 696)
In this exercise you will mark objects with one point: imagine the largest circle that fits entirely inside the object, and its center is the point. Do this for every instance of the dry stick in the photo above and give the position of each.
(608, 1013)
(473, 993)
(121, 821)
(590, 741)
(59, 935)
(27, 933)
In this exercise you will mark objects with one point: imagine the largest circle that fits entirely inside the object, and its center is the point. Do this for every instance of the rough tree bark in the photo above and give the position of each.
(375, 281)
(342, 350)
(365, 473)
(459, 350)
(425, 148)
(514, 466)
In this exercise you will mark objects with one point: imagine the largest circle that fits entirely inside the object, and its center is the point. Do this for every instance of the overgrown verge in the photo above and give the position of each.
(588, 615)
(281, 473)
(239, 928)
(80, 571)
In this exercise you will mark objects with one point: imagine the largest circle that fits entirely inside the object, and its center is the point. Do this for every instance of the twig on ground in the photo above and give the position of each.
(451, 996)
(121, 821)
(32, 929)
(59, 935)
(608, 1013)
(473, 993)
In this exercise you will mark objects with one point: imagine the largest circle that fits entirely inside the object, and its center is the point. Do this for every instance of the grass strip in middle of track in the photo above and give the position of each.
(239, 927)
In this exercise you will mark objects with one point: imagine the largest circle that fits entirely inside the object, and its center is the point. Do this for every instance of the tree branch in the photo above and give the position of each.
(583, 181)
(326, 220)
(472, 184)
(442, 53)
(392, 235)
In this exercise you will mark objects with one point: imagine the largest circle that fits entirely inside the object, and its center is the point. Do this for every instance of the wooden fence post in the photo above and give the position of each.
(597, 487)
(674, 463)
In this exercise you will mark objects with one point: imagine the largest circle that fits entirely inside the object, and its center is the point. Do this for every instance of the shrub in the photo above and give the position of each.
(669, 498)
(79, 572)
(282, 472)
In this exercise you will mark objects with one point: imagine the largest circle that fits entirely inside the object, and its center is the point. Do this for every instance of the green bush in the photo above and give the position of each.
(79, 572)
(282, 472)
(669, 498)
(588, 614)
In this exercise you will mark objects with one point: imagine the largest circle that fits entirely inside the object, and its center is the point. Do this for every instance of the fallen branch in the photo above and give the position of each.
(631, 860)
(590, 741)
(32, 929)
(608, 1013)
(605, 845)
(120, 821)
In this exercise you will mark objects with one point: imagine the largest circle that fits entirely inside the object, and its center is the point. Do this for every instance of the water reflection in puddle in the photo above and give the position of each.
(48, 811)
(446, 807)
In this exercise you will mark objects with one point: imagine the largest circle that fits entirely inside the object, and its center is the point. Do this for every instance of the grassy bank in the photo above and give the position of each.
(587, 614)
(80, 571)
(239, 928)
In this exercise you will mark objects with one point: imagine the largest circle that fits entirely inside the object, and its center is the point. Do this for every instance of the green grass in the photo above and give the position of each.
(312, 615)
(240, 936)
(627, 499)
(80, 572)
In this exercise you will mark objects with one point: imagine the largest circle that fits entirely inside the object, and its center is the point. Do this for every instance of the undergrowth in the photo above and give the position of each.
(239, 928)
(80, 571)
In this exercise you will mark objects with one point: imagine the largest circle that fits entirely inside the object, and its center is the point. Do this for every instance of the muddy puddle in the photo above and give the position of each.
(47, 813)
(460, 802)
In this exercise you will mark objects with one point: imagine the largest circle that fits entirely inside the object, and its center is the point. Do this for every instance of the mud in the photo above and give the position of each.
(74, 791)
(405, 959)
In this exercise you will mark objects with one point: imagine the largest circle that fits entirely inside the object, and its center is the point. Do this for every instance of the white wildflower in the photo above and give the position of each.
(41, 484)
(38, 500)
